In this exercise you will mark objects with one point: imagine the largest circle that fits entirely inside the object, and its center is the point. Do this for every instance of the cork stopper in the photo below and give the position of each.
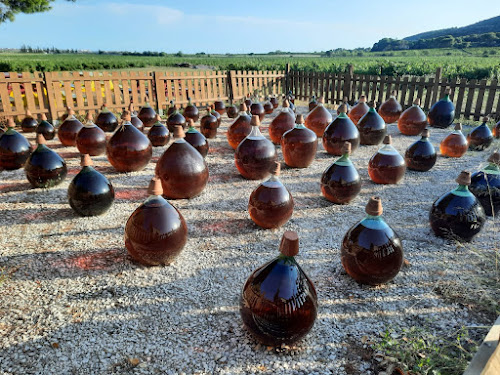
(289, 245)
(243, 107)
(417, 102)
(104, 105)
(191, 123)
(209, 109)
(70, 112)
(276, 168)
(343, 108)
(155, 187)
(40, 139)
(447, 91)
(299, 119)
(43, 117)
(321, 100)
(345, 100)
(374, 207)
(28, 113)
(126, 116)
(131, 107)
(179, 132)
(89, 117)
(286, 104)
(11, 123)
(387, 140)
(394, 93)
(346, 148)
(372, 104)
(464, 178)
(486, 119)
(425, 133)
(158, 117)
(85, 160)
(255, 120)
(362, 99)
(458, 126)
(495, 158)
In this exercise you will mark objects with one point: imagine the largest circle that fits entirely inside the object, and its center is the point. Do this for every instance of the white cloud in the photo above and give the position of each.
(163, 15)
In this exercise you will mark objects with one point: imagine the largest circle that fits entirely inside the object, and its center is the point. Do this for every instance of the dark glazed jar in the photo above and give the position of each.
(128, 149)
(209, 124)
(69, 129)
(134, 120)
(232, 111)
(283, 122)
(299, 145)
(158, 134)
(91, 139)
(387, 166)
(413, 120)
(147, 115)
(156, 232)
(442, 113)
(421, 155)
(340, 182)
(191, 112)
(90, 193)
(240, 128)
(371, 252)
(485, 185)
(359, 110)
(196, 139)
(372, 127)
(271, 204)
(45, 128)
(481, 137)
(182, 169)
(106, 120)
(255, 155)
(44, 167)
(220, 107)
(278, 303)
(15, 149)
(341, 130)
(390, 110)
(318, 119)
(29, 124)
(175, 119)
(458, 215)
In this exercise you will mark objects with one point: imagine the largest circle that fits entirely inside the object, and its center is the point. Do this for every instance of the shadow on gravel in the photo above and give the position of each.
(33, 216)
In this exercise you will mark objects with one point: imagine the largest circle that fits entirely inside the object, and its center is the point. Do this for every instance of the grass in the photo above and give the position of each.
(419, 351)
(471, 64)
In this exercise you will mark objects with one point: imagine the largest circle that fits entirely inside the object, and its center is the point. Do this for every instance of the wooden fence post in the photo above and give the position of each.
(229, 86)
(287, 78)
(348, 77)
(49, 86)
(437, 82)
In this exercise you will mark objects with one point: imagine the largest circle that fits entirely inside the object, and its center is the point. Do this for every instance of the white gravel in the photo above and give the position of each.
(73, 302)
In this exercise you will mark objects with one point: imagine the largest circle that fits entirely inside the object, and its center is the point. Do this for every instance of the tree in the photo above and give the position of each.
(9, 8)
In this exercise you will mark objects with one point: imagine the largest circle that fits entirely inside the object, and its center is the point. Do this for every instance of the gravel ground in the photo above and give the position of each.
(73, 302)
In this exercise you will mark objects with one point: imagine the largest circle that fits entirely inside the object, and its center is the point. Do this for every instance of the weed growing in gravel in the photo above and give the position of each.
(421, 352)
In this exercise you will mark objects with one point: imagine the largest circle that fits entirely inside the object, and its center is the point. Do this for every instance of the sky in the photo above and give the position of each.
(235, 26)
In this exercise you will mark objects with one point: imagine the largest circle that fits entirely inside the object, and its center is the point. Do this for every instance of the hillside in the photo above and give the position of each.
(481, 27)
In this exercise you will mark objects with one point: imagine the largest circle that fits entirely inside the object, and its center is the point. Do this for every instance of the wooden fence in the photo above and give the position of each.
(51, 92)
(472, 98)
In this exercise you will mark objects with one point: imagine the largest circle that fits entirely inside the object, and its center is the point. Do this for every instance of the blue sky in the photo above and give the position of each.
(235, 26)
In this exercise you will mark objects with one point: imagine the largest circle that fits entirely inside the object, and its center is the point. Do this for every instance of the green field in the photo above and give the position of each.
(474, 63)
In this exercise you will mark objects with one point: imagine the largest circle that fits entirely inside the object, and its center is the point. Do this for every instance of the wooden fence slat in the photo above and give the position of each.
(491, 97)
(470, 98)
(479, 100)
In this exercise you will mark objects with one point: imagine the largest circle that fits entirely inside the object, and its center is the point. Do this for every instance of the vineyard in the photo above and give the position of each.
(476, 63)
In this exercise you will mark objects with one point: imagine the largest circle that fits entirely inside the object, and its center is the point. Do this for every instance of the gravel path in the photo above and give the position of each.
(72, 301)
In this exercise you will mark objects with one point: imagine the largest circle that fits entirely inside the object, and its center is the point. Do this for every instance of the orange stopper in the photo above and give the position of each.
(155, 187)
(43, 117)
(255, 120)
(346, 148)
(394, 93)
(243, 107)
(158, 117)
(131, 107)
(11, 123)
(85, 160)
(71, 112)
(343, 108)
(28, 113)
(426, 133)
(362, 99)
(179, 131)
(89, 116)
(289, 245)
(494, 158)
(299, 119)
(286, 104)
(321, 99)
(464, 178)
(209, 109)
(103, 105)
(40, 139)
(191, 122)
(373, 104)
(387, 140)
(126, 116)
(417, 101)
(374, 207)
(458, 126)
